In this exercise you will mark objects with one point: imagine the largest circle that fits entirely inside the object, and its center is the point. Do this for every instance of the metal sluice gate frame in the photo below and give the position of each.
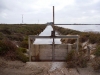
(31, 38)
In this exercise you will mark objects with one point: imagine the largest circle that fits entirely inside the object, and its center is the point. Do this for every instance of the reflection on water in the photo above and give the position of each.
(47, 32)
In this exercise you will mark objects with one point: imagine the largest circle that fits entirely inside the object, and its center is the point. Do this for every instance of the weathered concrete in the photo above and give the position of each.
(44, 51)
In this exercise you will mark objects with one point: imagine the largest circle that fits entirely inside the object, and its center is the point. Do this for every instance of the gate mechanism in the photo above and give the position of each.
(31, 39)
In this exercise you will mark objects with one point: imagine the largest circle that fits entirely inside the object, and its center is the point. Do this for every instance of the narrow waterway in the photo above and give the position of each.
(47, 32)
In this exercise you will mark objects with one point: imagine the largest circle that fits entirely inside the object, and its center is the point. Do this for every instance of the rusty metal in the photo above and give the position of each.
(52, 33)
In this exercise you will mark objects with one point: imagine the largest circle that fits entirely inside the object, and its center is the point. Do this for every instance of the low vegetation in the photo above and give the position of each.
(12, 33)
(76, 60)
(97, 52)
(80, 59)
(96, 60)
(20, 55)
(94, 37)
(96, 64)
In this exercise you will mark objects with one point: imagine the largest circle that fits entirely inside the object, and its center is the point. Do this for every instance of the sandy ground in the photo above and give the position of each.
(41, 68)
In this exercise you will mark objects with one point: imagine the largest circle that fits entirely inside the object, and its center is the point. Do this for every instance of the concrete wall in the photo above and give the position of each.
(44, 51)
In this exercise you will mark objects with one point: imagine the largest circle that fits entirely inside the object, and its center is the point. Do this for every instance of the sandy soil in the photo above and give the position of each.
(41, 68)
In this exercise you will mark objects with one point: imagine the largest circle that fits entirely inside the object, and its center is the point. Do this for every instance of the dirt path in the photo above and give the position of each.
(41, 68)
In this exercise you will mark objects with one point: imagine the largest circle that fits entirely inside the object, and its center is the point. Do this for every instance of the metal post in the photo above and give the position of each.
(77, 44)
(29, 49)
(53, 50)
(22, 18)
(53, 18)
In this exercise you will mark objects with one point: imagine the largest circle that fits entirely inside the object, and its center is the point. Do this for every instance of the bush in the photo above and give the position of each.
(17, 37)
(96, 64)
(21, 56)
(18, 31)
(82, 61)
(22, 49)
(70, 55)
(1, 36)
(70, 58)
(9, 51)
(73, 59)
(24, 44)
(97, 53)
(5, 46)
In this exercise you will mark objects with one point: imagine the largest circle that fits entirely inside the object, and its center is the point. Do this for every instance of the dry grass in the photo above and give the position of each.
(76, 60)
(96, 64)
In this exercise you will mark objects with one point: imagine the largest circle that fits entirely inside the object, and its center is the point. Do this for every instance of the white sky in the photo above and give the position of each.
(40, 11)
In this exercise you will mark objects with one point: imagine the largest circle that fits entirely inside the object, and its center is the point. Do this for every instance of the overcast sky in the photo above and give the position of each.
(40, 11)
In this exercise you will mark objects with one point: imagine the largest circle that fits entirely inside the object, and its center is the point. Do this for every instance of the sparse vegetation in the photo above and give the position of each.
(76, 60)
(70, 58)
(96, 64)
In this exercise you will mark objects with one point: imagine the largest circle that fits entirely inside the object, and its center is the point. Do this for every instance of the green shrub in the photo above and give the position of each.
(21, 56)
(10, 51)
(18, 32)
(97, 52)
(73, 59)
(22, 49)
(1, 36)
(24, 44)
(70, 58)
(70, 55)
(17, 37)
(5, 46)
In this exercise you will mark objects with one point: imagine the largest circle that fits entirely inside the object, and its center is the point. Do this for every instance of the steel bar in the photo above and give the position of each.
(71, 36)
(53, 49)
(76, 24)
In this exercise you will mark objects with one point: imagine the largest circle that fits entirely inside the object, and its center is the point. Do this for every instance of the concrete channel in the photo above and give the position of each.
(41, 50)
